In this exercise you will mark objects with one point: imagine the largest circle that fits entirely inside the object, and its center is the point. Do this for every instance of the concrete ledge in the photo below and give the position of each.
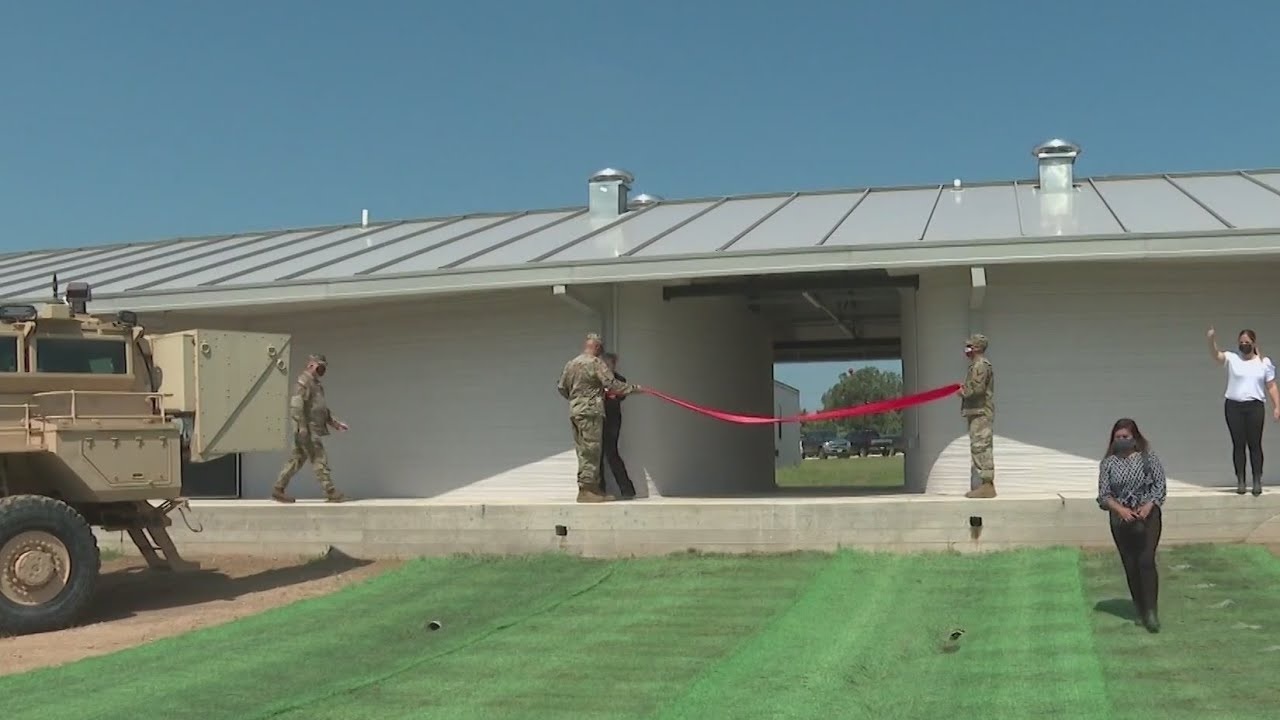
(412, 528)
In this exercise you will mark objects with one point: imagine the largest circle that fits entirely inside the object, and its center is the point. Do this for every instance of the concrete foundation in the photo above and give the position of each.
(773, 524)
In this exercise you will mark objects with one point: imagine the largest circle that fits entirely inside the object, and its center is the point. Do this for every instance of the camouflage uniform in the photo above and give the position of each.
(583, 383)
(977, 405)
(311, 420)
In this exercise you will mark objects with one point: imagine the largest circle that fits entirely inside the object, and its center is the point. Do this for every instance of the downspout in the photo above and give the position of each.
(612, 334)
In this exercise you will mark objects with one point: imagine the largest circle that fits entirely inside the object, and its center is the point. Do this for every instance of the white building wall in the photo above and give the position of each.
(455, 397)
(1077, 346)
(786, 436)
(711, 351)
(445, 397)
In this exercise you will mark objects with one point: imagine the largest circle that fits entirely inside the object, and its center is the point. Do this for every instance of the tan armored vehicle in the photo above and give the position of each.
(96, 418)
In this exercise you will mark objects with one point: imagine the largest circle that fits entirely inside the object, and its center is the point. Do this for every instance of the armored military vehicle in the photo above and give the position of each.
(97, 418)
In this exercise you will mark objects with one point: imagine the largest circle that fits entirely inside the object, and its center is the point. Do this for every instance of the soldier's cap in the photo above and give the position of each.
(595, 338)
(318, 359)
(977, 342)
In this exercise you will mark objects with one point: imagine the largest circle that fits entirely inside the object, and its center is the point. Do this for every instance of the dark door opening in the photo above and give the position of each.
(217, 479)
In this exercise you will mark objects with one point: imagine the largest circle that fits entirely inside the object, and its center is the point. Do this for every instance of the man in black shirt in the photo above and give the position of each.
(612, 430)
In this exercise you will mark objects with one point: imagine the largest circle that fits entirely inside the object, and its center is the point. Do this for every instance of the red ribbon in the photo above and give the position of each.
(875, 408)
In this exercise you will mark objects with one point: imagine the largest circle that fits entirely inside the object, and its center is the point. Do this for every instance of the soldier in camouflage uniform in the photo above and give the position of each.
(583, 383)
(977, 405)
(312, 421)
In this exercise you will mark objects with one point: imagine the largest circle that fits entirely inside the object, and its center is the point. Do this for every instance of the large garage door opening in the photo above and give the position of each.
(837, 342)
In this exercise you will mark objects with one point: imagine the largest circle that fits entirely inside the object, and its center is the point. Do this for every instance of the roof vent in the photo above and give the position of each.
(644, 200)
(1056, 158)
(609, 189)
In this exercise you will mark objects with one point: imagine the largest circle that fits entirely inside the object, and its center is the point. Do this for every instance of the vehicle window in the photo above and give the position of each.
(8, 354)
(82, 356)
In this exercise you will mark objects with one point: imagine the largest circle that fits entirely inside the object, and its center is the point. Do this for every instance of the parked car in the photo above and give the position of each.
(811, 444)
(837, 448)
(862, 441)
(888, 445)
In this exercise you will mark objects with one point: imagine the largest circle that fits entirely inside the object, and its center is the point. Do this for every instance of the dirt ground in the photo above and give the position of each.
(135, 605)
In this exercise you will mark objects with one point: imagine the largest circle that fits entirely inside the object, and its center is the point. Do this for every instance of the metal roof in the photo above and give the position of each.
(871, 227)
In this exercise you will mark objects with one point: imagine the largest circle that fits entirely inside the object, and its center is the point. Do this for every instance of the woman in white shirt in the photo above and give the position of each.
(1251, 379)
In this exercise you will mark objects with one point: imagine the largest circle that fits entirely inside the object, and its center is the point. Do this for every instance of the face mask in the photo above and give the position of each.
(1246, 349)
(968, 352)
(1122, 445)
(319, 371)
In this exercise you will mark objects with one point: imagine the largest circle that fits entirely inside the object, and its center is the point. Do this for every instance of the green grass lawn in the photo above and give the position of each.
(868, 472)
(850, 635)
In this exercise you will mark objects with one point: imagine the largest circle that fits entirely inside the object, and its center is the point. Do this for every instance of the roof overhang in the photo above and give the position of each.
(918, 255)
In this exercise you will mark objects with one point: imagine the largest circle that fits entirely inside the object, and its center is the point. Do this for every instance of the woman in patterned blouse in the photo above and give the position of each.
(1131, 485)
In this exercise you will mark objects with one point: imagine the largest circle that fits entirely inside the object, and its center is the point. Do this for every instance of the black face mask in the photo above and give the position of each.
(319, 371)
(1123, 445)
(1246, 349)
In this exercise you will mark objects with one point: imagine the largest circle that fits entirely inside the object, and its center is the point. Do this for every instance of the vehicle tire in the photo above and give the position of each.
(49, 564)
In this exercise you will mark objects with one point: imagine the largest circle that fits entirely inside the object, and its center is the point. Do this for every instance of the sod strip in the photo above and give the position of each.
(305, 650)
(866, 641)
(1218, 653)
(616, 652)
(1027, 650)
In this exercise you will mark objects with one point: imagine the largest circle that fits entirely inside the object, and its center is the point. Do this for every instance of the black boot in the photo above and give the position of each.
(1151, 621)
(1257, 486)
(1240, 490)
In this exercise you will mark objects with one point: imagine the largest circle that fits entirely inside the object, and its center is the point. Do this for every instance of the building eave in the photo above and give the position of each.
(906, 257)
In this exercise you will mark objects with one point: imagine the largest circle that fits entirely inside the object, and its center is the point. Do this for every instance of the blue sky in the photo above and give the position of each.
(136, 120)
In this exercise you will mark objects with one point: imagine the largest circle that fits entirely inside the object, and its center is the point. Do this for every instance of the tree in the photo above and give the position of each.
(859, 387)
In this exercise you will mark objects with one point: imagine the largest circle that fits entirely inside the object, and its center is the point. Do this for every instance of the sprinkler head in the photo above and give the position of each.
(434, 625)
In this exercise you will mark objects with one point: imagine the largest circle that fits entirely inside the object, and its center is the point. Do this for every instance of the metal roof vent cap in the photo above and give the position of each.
(644, 200)
(1057, 159)
(608, 193)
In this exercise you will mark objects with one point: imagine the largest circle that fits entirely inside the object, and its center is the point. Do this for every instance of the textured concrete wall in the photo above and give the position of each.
(407, 528)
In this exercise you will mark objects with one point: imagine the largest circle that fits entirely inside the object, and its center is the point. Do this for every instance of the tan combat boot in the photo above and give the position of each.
(277, 494)
(335, 497)
(592, 496)
(985, 490)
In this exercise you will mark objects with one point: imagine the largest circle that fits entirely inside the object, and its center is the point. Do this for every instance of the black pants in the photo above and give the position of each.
(1137, 542)
(1245, 421)
(612, 432)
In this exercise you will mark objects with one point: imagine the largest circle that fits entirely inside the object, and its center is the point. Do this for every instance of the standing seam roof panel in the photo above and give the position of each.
(491, 234)
(1154, 205)
(222, 250)
(67, 269)
(1055, 214)
(977, 212)
(333, 254)
(618, 241)
(18, 260)
(516, 250)
(711, 231)
(254, 259)
(1271, 180)
(804, 222)
(173, 256)
(887, 216)
(1239, 201)
(49, 265)
(392, 252)
(215, 261)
